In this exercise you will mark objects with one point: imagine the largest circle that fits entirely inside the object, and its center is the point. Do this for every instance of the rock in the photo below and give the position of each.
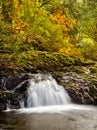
(3, 101)
(2, 106)
(13, 90)
(10, 82)
(14, 103)
(80, 88)
(22, 87)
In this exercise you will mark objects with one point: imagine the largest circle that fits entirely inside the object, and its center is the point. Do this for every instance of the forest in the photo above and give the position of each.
(47, 30)
(43, 42)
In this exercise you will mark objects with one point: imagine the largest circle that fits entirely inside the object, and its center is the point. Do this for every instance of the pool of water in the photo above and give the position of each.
(68, 117)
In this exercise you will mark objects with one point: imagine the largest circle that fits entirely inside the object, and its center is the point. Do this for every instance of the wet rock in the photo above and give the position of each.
(80, 88)
(22, 87)
(3, 106)
(13, 89)
(3, 101)
(14, 103)
(6, 98)
(10, 82)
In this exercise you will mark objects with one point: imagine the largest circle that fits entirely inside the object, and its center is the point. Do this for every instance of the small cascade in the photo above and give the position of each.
(44, 91)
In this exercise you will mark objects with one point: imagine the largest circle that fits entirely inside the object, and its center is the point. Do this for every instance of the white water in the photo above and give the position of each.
(56, 109)
(45, 92)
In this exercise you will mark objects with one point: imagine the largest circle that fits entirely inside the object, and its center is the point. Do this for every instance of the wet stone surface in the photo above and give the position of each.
(80, 84)
(82, 88)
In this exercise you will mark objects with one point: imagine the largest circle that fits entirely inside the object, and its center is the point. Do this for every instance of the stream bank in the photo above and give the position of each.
(79, 81)
(76, 75)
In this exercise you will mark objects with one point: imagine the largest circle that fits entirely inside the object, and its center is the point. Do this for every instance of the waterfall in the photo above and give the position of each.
(45, 91)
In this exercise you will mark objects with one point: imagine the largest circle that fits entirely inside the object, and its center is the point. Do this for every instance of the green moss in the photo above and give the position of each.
(93, 69)
(36, 60)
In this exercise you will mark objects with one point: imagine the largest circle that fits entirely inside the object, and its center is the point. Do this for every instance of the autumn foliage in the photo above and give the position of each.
(47, 26)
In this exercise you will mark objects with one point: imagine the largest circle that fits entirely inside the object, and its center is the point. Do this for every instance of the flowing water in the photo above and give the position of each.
(68, 117)
(48, 108)
(45, 92)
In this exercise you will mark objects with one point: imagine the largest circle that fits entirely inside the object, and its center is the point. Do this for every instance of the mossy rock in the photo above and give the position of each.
(93, 69)
(29, 61)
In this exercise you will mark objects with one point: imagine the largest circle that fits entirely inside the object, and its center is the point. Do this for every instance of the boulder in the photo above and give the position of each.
(82, 89)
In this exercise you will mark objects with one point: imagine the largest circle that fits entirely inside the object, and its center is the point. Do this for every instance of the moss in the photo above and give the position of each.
(93, 69)
(58, 74)
(33, 60)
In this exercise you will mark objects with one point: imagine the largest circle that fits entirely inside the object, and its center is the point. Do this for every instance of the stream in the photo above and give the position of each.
(62, 117)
